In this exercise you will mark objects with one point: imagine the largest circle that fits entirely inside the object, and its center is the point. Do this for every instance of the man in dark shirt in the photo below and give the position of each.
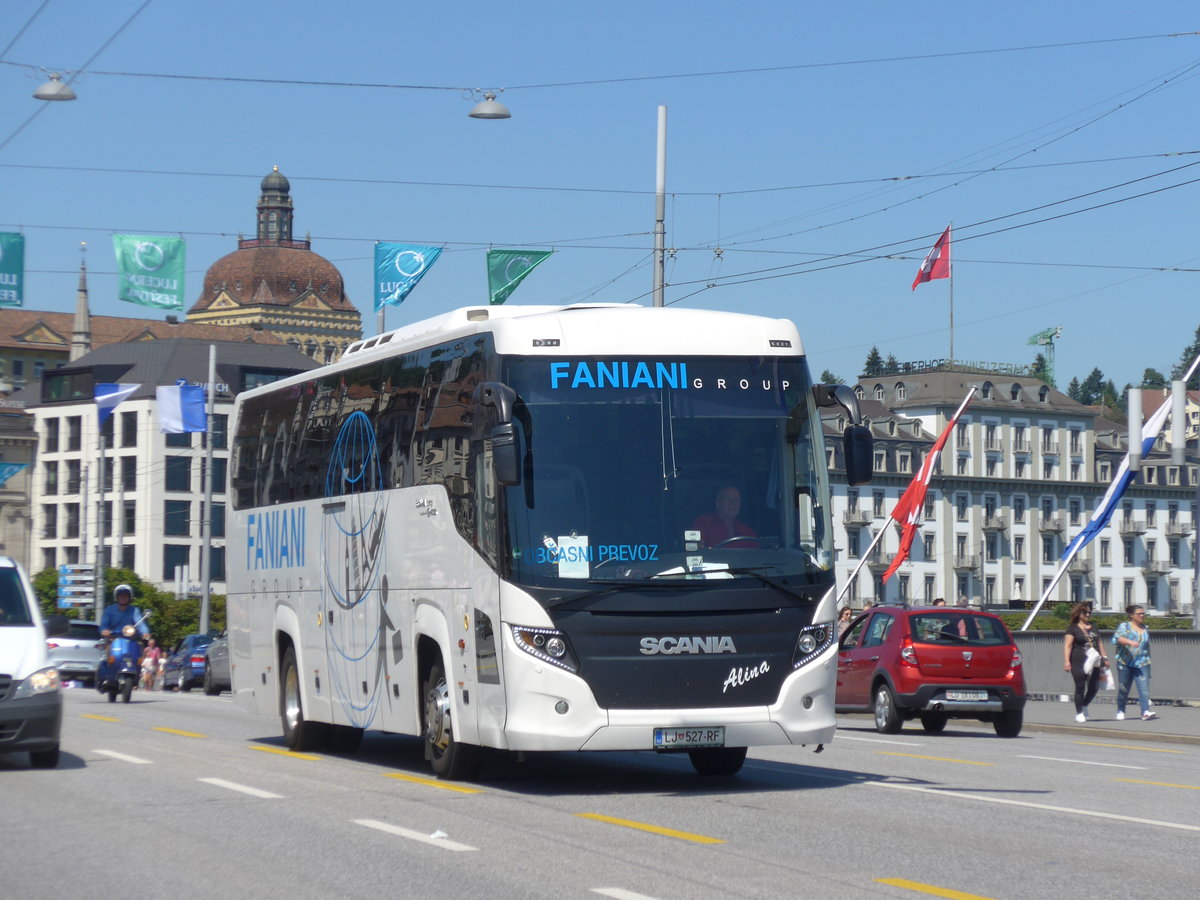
(723, 524)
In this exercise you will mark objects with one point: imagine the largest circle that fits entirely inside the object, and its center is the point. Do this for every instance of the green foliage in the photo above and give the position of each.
(892, 366)
(170, 619)
(828, 377)
(1052, 620)
(874, 363)
(1152, 378)
(1041, 369)
(1185, 362)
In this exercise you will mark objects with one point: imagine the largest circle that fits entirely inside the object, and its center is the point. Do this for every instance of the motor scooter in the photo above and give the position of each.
(120, 669)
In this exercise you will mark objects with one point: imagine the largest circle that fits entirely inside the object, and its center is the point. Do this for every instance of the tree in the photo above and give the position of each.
(1185, 362)
(1152, 378)
(1039, 369)
(1091, 391)
(874, 364)
(828, 377)
(892, 366)
(1074, 391)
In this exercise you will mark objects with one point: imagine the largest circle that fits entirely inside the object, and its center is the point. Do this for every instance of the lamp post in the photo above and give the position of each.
(660, 207)
(54, 89)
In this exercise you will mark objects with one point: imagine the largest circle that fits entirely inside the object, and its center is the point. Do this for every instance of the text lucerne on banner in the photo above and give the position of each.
(398, 268)
(150, 270)
(12, 269)
(508, 268)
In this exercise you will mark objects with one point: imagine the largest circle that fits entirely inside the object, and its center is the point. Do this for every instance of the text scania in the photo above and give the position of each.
(672, 646)
(275, 539)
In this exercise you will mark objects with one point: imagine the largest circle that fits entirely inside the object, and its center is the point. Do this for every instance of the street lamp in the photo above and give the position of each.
(489, 108)
(54, 89)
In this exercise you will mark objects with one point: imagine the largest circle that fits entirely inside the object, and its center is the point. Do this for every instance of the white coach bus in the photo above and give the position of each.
(500, 528)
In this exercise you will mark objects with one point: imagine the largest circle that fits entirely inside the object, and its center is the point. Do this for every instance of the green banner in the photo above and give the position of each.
(508, 268)
(150, 270)
(12, 269)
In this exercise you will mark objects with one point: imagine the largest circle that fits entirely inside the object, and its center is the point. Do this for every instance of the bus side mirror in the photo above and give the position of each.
(506, 461)
(858, 450)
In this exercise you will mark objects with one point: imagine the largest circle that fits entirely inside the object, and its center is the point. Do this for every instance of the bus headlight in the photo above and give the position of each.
(812, 642)
(547, 644)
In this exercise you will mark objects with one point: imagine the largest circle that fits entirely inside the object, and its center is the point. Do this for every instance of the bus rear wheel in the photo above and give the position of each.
(449, 759)
(298, 733)
(717, 760)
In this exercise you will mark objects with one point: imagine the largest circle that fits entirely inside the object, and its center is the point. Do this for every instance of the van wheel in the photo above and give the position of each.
(717, 760)
(298, 733)
(44, 759)
(887, 717)
(449, 759)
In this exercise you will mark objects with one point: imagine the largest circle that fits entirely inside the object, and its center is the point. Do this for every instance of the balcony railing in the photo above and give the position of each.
(1020, 445)
(856, 517)
(1130, 525)
(1050, 447)
(1178, 528)
(1079, 566)
(1053, 522)
(966, 562)
(995, 522)
(1153, 568)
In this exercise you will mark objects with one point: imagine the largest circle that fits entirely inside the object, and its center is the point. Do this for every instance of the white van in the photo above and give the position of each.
(30, 694)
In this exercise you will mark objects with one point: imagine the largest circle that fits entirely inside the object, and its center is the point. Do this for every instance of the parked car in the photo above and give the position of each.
(217, 675)
(932, 664)
(185, 664)
(77, 653)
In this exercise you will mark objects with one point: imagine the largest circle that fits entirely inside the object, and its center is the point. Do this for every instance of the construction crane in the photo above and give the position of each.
(1046, 339)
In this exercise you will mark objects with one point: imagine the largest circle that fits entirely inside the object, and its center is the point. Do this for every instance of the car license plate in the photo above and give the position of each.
(966, 695)
(684, 738)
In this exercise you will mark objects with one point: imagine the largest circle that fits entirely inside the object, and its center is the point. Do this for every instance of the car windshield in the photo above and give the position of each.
(958, 628)
(669, 471)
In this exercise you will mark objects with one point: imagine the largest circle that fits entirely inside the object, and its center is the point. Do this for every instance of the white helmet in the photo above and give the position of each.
(122, 587)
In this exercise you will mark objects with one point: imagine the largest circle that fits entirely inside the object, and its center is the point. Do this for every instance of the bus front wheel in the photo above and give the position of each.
(298, 733)
(447, 757)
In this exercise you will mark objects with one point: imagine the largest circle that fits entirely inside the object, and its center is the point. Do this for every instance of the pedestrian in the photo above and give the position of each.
(1083, 657)
(150, 658)
(845, 614)
(940, 601)
(1132, 640)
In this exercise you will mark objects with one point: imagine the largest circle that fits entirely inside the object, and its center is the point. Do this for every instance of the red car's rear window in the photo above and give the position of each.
(949, 627)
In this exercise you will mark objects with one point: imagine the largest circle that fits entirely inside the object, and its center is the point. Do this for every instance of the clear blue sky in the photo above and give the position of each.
(784, 170)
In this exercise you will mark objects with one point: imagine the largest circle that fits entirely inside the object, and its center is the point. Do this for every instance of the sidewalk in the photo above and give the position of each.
(1175, 724)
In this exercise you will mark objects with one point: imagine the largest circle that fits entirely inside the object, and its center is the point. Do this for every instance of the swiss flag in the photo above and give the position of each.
(937, 261)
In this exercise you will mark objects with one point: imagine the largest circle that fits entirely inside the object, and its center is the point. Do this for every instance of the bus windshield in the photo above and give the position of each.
(670, 470)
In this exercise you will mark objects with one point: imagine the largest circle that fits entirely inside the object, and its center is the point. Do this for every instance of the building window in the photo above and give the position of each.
(1173, 553)
(1018, 589)
(962, 465)
(128, 556)
(1128, 543)
(991, 468)
(74, 433)
(931, 506)
(218, 520)
(175, 556)
(179, 473)
(904, 462)
(901, 391)
(929, 588)
(877, 506)
(904, 588)
(107, 432)
(73, 477)
(989, 590)
(1104, 551)
(1018, 509)
(129, 429)
(72, 523)
(50, 483)
(1019, 549)
(51, 439)
(852, 542)
(962, 505)
(1048, 554)
(1048, 470)
(990, 546)
(1075, 471)
(130, 514)
(48, 560)
(1076, 509)
(880, 461)
(1019, 468)
(220, 431)
(927, 540)
(181, 440)
(1076, 441)
(176, 514)
(216, 563)
(1105, 594)
(1151, 510)
(129, 473)
(1128, 591)
(50, 521)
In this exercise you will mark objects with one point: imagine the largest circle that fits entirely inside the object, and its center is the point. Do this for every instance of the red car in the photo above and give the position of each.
(933, 663)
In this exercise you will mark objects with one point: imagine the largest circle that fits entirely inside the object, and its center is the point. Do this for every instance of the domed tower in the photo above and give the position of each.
(278, 284)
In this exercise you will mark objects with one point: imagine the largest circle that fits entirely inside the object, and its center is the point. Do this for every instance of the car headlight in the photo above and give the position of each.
(547, 644)
(812, 642)
(43, 681)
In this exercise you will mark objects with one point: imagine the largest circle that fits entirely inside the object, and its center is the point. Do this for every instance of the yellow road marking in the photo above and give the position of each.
(929, 889)
(99, 718)
(653, 829)
(1126, 747)
(178, 732)
(292, 753)
(431, 782)
(1190, 787)
(965, 762)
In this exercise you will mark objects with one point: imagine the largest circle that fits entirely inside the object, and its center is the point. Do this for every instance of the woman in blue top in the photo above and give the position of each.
(1132, 639)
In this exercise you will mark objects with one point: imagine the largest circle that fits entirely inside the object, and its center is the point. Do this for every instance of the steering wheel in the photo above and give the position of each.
(734, 540)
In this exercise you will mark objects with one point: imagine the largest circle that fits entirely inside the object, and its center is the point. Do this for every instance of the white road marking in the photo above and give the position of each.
(1082, 762)
(846, 737)
(620, 894)
(124, 757)
(253, 792)
(412, 835)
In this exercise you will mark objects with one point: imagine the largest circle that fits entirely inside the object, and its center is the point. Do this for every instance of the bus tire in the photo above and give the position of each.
(343, 738)
(298, 733)
(449, 759)
(717, 760)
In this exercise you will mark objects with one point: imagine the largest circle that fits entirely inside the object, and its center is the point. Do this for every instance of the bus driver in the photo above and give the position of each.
(723, 525)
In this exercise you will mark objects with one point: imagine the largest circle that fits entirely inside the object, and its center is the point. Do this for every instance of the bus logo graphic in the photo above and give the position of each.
(673, 646)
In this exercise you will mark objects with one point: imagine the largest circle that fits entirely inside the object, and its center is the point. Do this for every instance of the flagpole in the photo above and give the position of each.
(206, 514)
(950, 279)
(99, 577)
(861, 562)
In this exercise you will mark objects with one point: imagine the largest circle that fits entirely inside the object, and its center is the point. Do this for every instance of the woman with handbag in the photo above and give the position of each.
(1083, 657)
(1132, 639)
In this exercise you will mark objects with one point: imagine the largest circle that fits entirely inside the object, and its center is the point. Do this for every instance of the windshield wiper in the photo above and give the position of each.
(752, 571)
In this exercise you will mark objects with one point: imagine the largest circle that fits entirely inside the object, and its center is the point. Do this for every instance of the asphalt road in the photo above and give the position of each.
(185, 795)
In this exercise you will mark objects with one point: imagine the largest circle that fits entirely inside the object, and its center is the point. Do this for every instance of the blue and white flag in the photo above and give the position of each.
(398, 268)
(181, 408)
(1108, 505)
(108, 395)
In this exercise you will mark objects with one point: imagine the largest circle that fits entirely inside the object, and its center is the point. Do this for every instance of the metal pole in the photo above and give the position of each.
(660, 208)
(98, 578)
(206, 515)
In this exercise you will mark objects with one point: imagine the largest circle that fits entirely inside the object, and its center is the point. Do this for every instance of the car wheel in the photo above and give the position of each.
(887, 717)
(449, 759)
(298, 733)
(210, 687)
(717, 760)
(934, 722)
(44, 759)
(1008, 723)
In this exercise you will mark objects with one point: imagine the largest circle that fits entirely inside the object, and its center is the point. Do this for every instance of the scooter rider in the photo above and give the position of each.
(115, 618)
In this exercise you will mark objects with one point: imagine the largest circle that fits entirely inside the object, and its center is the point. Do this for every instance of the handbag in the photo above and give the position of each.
(1091, 657)
(1110, 683)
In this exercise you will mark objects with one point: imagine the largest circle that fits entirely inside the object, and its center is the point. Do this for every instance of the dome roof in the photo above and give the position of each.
(275, 182)
(274, 276)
